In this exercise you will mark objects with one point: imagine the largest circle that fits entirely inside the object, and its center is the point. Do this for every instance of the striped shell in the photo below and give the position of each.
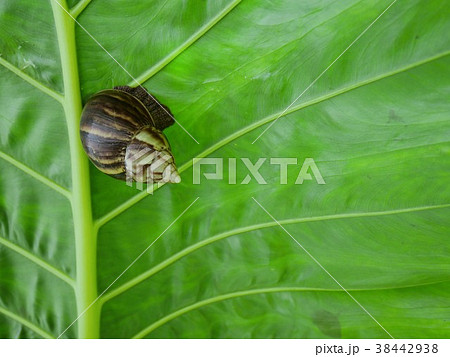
(123, 136)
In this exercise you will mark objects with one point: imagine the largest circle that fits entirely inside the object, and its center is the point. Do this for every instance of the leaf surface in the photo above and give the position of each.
(375, 122)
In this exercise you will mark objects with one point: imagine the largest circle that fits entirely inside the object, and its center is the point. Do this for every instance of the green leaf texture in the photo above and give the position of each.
(376, 122)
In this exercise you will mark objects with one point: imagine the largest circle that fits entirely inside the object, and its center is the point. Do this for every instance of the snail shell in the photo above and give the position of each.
(121, 132)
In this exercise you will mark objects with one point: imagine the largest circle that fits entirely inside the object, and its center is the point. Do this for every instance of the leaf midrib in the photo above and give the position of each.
(82, 214)
(88, 320)
(223, 142)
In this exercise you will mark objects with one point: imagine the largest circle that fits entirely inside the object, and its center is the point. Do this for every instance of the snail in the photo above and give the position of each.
(121, 132)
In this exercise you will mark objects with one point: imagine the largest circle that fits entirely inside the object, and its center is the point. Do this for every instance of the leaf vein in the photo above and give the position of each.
(58, 97)
(145, 76)
(138, 197)
(191, 249)
(26, 323)
(79, 8)
(238, 294)
(38, 261)
(46, 181)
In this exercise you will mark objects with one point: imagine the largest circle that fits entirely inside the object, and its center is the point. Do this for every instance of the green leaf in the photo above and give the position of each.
(364, 255)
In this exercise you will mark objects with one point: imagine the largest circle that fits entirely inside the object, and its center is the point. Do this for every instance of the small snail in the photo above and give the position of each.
(121, 132)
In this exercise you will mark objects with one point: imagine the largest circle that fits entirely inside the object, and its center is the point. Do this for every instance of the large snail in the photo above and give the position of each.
(121, 132)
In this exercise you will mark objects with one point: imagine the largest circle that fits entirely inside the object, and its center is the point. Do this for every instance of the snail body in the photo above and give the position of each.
(121, 132)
